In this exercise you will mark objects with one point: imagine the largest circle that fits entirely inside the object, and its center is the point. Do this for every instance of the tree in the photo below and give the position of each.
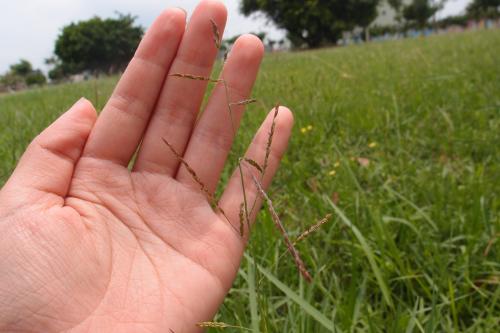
(56, 73)
(22, 68)
(36, 77)
(22, 74)
(484, 8)
(97, 45)
(397, 5)
(420, 11)
(314, 22)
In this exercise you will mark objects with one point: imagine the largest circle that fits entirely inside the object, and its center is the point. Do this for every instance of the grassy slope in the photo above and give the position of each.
(409, 254)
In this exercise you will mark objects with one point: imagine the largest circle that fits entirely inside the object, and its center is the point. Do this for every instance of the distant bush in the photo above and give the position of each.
(11, 80)
(21, 75)
(35, 78)
(460, 20)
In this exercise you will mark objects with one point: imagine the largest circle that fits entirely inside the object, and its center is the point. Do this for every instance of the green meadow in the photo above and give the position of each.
(400, 142)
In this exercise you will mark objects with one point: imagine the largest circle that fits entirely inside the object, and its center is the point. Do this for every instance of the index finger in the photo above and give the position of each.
(120, 127)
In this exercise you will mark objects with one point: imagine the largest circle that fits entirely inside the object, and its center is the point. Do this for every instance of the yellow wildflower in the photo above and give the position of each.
(303, 130)
(373, 145)
(337, 164)
(310, 128)
(332, 173)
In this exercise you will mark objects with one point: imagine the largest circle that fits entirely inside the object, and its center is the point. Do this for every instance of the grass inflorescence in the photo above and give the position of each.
(245, 213)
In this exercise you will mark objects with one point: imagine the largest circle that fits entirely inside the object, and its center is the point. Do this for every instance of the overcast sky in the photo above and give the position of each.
(28, 28)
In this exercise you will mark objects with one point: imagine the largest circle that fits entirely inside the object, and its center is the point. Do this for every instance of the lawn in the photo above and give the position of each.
(400, 142)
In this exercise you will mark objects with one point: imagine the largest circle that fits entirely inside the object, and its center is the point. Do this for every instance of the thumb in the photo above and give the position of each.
(47, 165)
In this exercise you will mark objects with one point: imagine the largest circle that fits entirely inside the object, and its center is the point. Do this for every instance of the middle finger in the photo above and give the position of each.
(181, 98)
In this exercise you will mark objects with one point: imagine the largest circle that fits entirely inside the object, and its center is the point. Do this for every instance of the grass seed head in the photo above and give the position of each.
(270, 139)
(198, 181)
(244, 102)
(210, 324)
(313, 228)
(242, 219)
(216, 34)
(279, 225)
(195, 77)
(254, 164)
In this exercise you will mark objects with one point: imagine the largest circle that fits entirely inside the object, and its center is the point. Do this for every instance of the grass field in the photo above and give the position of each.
(400, 142)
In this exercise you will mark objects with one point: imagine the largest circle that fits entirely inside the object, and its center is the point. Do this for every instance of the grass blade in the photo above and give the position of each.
(418, 209)
(368, 252)
(252, 294)
(296, 298)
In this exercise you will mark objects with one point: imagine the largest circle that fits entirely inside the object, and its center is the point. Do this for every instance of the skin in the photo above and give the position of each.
(88, 244)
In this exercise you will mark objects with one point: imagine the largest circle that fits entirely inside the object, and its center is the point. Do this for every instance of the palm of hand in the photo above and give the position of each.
(150, 252)
(88, 245)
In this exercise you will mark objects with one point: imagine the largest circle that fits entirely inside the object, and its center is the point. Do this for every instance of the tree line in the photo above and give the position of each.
(106, 45)
(322, 22)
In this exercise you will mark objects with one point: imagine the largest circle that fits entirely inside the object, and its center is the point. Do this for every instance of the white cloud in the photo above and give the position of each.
(454, 7)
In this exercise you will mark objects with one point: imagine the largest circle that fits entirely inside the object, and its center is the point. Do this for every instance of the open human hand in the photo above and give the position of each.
(89, 245)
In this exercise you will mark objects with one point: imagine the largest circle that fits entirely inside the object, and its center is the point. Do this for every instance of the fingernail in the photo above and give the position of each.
(185, 12)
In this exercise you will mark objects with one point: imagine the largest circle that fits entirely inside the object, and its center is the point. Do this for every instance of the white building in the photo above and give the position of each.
(387, 16)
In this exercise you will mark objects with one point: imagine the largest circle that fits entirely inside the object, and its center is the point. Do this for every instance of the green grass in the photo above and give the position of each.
(405, 249)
